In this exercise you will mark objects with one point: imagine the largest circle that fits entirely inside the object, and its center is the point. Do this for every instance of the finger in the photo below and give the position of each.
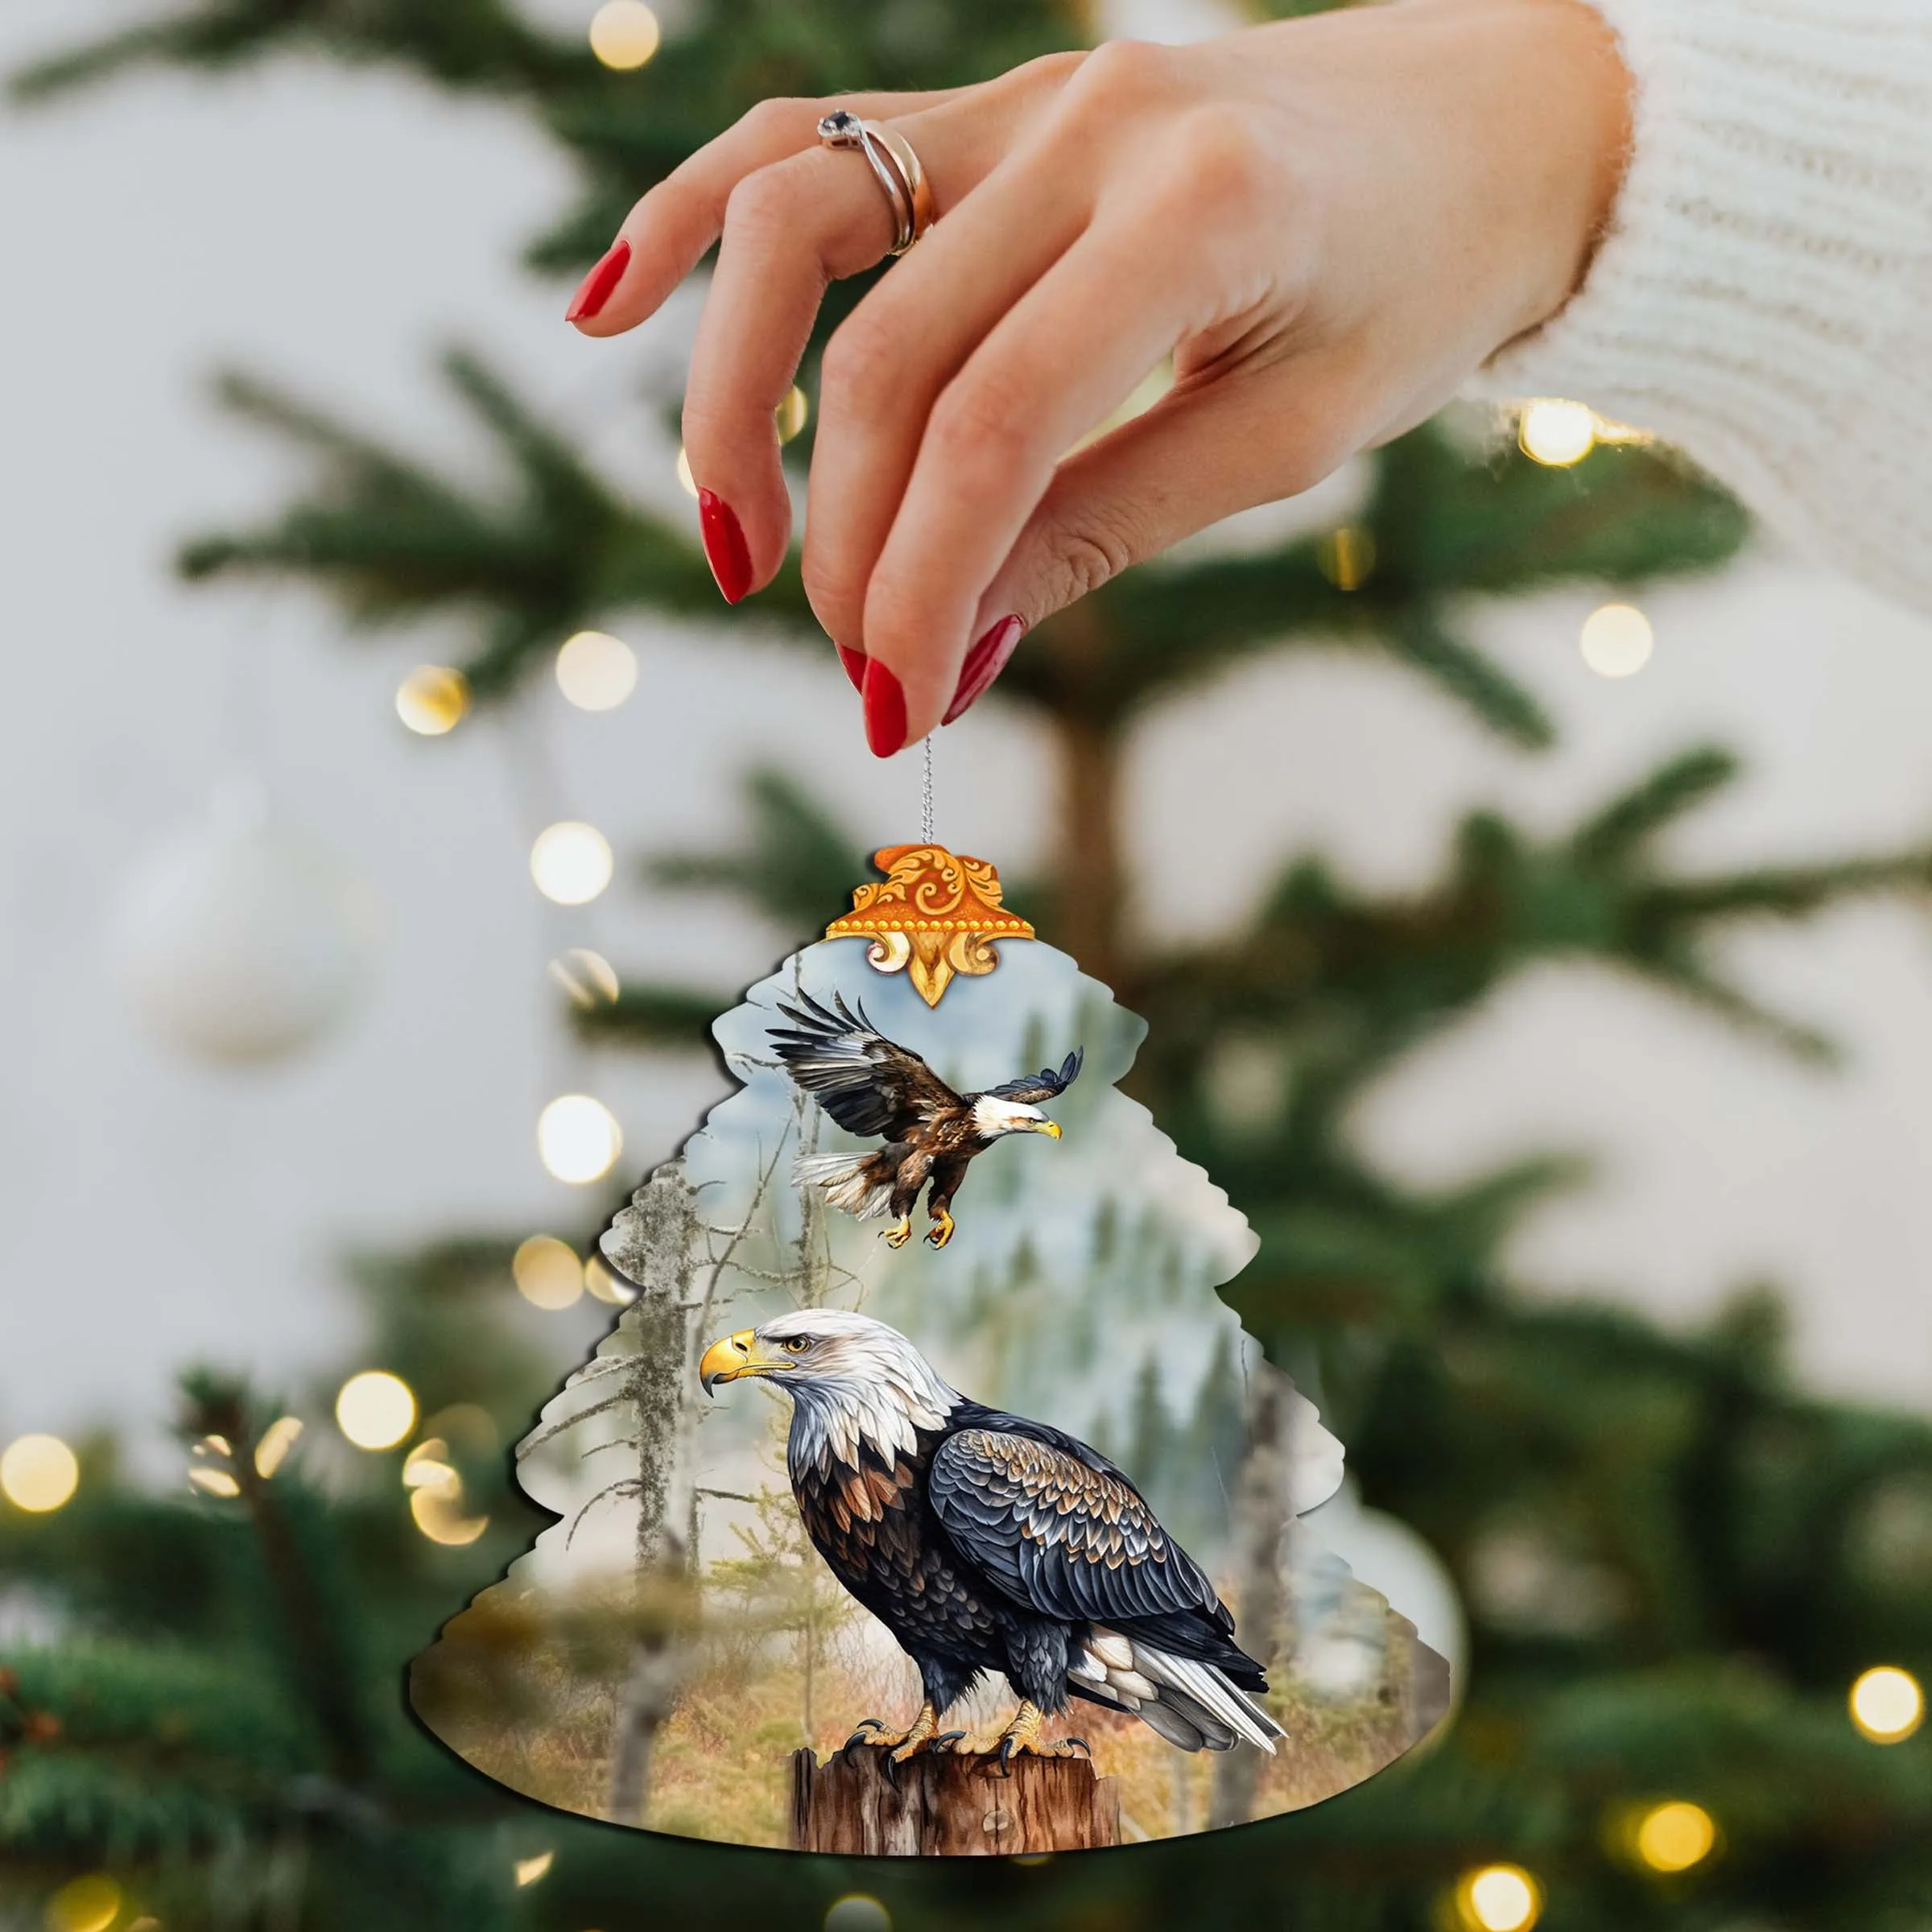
(790, 229)
(664, 235)
(1190, 460)
(1043, 377)
(889, 362)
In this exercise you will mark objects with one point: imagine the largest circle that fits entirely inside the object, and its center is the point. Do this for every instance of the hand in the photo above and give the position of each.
(1327, 223)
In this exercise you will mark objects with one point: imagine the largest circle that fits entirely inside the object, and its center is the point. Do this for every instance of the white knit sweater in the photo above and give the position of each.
(1763, 298)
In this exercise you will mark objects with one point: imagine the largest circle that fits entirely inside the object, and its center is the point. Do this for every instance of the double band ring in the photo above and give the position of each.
(897, 168)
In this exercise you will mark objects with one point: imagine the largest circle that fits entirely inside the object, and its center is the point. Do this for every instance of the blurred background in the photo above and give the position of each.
(1521, 860)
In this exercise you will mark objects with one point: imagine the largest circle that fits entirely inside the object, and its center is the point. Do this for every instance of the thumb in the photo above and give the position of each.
(1198, 455)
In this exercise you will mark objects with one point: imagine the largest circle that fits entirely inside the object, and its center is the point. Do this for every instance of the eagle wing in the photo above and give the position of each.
(1031, 1089)
(868, 1084)
(1062, 1535)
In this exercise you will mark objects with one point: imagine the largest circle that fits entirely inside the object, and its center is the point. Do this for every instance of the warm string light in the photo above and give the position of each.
(607, 1287)
(432, 699)
(1499, 1898)
(39, 1474)
(375, 1410)
(547, 1273)
(84, 1904)
(571, 862)
(686, 481)
(277, 1439)
(624, 35)
(1346, 556)
(578, 1138)
(435, 1495)
(1617, 641)
(588, 979)
(529, 1870)
(857, 1912)
(1556, 432)
(1887, 1704)
(1675, 1835)
(792, 414)
(597, 671)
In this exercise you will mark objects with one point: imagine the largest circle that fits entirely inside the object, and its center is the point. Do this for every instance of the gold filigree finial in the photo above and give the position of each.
(934, 914)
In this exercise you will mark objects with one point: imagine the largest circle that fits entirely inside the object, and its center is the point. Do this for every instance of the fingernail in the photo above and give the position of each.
(594, 291)
(854, 661)
(725, 547)
(984, 663)
(884, 710)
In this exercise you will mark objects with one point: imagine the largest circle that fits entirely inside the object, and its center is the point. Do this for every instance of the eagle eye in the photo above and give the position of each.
(796, 1344)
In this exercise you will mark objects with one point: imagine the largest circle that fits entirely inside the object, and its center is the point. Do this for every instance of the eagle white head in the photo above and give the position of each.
(993, 1116)
(852, 1380)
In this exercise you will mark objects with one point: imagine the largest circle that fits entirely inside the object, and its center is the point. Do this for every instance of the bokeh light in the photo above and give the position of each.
(792, 414)
(529, 1870)
(607, 1286)
(375, 1410)
(571, 862)
(624, 35)
(438, 1511)
(578, 1138)
(547, 1271)
(1499, 1898)
(1557, 432)
(432, 699)
(686, 481)
(588, 977)
(1674, 1836)
(84, 1904)
(39, 1474)
(1617, 641)
(857, 1912)
(597, 671)
(211, 1481)
(1346, 557)
(277, 1439)
(1888, 1704)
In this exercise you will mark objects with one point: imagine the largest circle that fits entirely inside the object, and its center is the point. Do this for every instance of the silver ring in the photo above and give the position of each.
(896, 168)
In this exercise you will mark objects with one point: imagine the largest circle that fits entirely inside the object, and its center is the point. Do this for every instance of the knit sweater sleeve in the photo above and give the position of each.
(1763, 299)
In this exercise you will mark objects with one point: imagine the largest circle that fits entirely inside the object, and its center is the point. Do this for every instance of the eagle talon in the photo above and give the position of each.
(940, 1233)
(898, 1237)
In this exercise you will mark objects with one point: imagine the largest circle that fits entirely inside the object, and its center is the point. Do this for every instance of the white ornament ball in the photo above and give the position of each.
(243, 939)
(1382, 1551)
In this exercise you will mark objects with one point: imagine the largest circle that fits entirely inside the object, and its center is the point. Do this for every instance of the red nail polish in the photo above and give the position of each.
(854, 661)
(884, 710)
(594, 291)
(725, 549)
(984, 663)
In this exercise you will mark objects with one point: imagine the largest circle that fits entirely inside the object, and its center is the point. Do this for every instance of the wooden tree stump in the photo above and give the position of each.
(945, 1806)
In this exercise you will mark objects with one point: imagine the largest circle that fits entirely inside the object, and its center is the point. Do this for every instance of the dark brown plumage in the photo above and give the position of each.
(870, 1084)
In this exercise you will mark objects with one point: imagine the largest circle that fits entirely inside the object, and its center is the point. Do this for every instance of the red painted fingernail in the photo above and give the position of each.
(884, 710)
(725, 547)
(984, 663)
(854, 661)
(594, 291)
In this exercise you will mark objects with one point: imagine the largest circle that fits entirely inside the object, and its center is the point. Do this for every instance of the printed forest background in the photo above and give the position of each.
(1672, 1559)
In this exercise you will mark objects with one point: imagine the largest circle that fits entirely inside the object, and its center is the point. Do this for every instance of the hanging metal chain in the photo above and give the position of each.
(926, 799)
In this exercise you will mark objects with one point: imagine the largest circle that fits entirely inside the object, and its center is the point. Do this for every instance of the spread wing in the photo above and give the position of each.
(1031, 1089)
(1059, 1535)
(868, 1084)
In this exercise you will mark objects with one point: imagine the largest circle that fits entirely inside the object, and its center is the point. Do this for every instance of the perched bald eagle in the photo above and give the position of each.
(986, 1543)
(870, 1084)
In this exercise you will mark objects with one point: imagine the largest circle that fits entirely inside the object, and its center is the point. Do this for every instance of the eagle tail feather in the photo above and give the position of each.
(851, 1181)
(1191, 1704)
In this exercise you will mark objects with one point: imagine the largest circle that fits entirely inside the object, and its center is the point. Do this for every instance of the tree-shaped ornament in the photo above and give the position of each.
(928, 1499)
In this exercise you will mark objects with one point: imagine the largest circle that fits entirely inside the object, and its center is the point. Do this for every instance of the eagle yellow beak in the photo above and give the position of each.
(1050, 1127)
(729, 1360)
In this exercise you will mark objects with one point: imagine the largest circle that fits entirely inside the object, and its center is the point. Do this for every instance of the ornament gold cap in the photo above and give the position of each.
(934, 914)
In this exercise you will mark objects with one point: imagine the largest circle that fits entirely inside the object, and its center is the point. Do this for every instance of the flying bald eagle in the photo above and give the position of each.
(870, 1084)
(986, 1543)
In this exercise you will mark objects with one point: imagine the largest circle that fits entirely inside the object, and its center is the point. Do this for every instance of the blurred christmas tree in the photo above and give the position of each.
(1675, 1564)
